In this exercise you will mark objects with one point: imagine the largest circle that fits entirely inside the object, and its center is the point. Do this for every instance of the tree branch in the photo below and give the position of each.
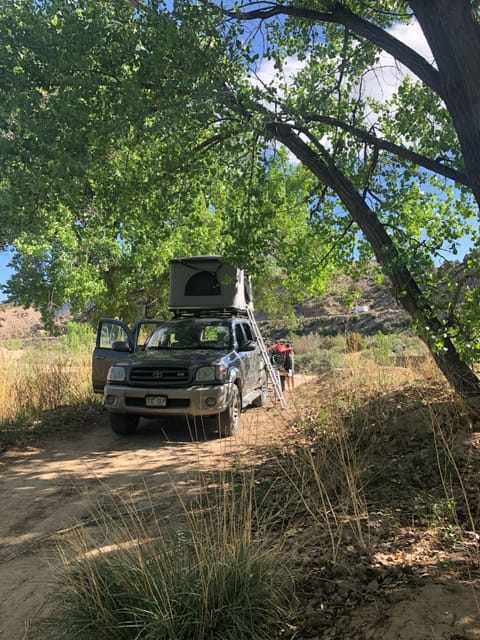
(460, 376)
(395, 149)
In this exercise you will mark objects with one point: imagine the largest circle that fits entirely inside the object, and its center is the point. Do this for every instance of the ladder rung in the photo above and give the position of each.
(273, 374)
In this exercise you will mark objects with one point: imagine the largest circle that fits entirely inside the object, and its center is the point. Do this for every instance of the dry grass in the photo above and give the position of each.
(373, 489)
(36, 383)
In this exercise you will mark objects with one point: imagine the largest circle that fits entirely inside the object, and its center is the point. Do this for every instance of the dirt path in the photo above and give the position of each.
(47, 489)
(51, 487)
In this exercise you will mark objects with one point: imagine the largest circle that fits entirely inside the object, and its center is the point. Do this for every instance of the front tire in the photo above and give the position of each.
(123, 424)
(261, 400)
(229, 420)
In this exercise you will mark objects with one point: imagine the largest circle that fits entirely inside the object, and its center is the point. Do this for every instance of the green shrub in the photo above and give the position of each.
(390, 349)
(382, 350)
(78, 337)
(319, 361)
(13, 344)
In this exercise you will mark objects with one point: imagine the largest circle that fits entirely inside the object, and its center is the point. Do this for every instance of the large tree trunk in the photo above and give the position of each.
(459, 375)
(453, 34)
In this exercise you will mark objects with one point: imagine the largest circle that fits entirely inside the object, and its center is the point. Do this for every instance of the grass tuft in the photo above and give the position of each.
(211, 579)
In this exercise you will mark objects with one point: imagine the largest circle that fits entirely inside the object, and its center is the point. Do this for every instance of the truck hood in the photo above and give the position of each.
(179, 357)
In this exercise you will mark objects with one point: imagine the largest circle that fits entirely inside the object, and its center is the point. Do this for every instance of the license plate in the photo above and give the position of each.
(156, 401)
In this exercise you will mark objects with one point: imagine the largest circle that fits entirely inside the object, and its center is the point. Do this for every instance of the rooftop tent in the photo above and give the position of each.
(207, 283)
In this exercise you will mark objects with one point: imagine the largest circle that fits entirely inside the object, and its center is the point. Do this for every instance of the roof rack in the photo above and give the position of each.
(209, 313)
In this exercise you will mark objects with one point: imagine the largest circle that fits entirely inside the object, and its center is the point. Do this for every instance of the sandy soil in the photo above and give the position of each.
(47, 489)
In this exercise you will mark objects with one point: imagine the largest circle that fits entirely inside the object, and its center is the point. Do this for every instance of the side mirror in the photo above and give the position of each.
(120, 345)
(248, 345)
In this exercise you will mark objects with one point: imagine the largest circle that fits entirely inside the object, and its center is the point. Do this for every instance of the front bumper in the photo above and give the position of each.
(192, 401)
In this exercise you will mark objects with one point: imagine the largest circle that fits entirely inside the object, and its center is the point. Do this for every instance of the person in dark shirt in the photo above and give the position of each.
(289, 365)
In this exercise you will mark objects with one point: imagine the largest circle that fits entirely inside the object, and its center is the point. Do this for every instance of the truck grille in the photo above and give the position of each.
(159, 376)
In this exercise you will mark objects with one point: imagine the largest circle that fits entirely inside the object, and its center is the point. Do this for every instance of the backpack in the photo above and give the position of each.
(279, 357)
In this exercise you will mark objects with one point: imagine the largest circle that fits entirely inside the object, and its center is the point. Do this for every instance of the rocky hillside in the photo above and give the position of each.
(17, 322)
(362, 306)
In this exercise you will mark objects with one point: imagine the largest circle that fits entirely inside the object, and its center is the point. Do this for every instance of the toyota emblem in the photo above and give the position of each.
(157, 373)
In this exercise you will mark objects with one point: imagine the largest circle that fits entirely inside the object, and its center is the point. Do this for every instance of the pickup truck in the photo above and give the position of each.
(207, 367)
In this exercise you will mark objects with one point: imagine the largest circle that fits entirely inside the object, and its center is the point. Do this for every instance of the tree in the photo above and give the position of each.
(340, 42)
(130, 125)
(106, 168)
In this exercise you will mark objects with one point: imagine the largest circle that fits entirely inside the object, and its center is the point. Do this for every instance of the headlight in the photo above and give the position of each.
(211, 374)
(116, 374)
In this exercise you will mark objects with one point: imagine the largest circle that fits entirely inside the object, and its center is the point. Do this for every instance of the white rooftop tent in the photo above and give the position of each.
(203, 283)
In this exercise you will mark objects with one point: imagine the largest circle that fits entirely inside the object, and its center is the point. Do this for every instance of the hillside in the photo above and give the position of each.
(17, 322)
(363, 306)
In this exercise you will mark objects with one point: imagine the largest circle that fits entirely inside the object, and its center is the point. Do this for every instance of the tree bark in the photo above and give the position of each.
(460, 376)
(453, 34)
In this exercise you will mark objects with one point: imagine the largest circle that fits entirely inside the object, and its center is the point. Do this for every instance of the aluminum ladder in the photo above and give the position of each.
(272, 373)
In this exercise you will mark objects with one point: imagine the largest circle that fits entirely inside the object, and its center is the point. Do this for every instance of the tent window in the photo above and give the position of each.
(203, 283)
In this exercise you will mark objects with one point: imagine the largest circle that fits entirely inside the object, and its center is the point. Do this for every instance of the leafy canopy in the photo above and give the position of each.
(134, 132)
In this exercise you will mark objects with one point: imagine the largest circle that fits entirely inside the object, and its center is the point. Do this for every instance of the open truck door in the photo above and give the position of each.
(116, 340)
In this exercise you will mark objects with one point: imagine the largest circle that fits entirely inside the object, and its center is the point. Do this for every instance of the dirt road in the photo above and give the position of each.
(50, 487)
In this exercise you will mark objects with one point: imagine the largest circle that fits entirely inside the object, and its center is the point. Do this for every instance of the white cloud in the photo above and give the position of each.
(412, 36)
(382, 82)
(268, 75)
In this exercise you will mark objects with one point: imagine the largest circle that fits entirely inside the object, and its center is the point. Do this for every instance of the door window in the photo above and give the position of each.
(248, 331)
(239, 337)
(111, 333)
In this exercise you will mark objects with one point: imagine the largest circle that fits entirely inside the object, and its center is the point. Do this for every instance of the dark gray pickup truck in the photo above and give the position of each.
(206, 367)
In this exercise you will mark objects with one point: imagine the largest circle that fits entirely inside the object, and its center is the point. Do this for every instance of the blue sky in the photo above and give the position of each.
(5, 272)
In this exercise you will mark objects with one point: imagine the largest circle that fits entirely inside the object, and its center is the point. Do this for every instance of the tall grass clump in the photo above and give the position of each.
(39, 379)
(208, 579)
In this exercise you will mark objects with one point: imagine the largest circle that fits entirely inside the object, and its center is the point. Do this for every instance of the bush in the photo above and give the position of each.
(355, 342)
(79, 337)
(382, 350)
(319, 361)
(199, 584)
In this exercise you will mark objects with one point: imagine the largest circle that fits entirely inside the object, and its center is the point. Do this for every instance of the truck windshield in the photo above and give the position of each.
(191, 334)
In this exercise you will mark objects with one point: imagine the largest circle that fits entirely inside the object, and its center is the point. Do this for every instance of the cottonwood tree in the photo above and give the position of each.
(107, 169)
(121, 118)
(403, 167)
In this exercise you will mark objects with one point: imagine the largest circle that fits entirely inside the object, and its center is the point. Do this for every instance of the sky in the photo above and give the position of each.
(5, 272)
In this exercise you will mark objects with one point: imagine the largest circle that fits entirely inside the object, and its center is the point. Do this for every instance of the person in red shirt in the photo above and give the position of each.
(282, 356)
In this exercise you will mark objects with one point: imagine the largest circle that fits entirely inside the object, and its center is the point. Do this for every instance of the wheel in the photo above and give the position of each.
(229, 420)
(123, 423)
(262, 398)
